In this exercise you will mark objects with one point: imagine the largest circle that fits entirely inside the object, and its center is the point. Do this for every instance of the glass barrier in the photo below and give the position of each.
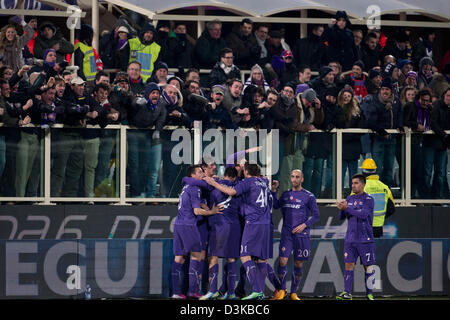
(230, 147)
(84, 162)
(156, 164)
(430, 170)
(315, 154)
(21, 164)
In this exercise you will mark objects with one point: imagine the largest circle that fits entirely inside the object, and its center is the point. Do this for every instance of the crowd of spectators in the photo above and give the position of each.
(365, 80)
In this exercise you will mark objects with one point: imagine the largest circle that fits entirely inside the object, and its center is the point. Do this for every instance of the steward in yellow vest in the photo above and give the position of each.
(84, 54)
(382, 195)
(145, 50)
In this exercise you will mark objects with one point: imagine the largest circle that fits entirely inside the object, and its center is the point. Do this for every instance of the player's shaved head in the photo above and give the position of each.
(296, 179)
(297, 172)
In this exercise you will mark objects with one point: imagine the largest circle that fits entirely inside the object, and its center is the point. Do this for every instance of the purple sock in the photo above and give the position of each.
(252, 275)
(176, 277)
(348, 281)
(201, 269)
(231, 277)
(273, 277)
(224, 286)
(242, 278)
(282, 271)
(262, 275)
(296, 276)
(194, 276)
(370, 281)
(213, 274)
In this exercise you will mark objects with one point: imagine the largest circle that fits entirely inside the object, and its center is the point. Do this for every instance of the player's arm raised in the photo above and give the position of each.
(227, 190)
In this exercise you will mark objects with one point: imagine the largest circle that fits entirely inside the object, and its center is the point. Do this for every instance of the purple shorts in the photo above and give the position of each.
(186, 239)
(256, 241)
(299, 245)
(365, 252)
(224, 240)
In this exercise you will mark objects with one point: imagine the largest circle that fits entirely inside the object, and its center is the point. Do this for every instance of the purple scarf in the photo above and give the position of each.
(423, 117)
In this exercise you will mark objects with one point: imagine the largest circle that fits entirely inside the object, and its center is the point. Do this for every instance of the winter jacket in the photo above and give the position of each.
(218, 75)
(184, 121)
(369, 57)
(341, 46)
(310, 51)
(142, 116)
(219, 117)
(207, 50)
(121, 101)
(320, 144)
(392, 49)
(440, 121)
(284, 117)
(351, 142)
(42, 43)
(12, 54)
(180, 53)
(245, 49)
(113, 56)
(194, 105)
(439, 84)
(379, 117)
(287, 75)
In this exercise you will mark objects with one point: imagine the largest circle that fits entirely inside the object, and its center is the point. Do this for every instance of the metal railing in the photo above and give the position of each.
(123, 199)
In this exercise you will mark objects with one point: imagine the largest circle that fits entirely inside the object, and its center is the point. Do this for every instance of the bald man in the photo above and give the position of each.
(300, 211)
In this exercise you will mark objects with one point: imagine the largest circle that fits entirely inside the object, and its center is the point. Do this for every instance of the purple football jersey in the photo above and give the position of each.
(256, 200)
(296, 207)
(360, 217)
(231, 205)
(190, 198)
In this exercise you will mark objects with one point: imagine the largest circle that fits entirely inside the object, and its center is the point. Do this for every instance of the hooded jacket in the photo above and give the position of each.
(142, 116)
(341, 43)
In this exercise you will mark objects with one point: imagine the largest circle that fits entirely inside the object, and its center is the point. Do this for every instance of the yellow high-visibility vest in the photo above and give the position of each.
(381, 194)
(146, 55)
(89, 66)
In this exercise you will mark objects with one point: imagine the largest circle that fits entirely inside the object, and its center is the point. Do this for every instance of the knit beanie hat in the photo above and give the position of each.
(324, 70)
(309, 95)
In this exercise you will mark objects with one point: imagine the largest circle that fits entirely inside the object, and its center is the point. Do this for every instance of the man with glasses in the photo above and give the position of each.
(224, 69)
(261, 34)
